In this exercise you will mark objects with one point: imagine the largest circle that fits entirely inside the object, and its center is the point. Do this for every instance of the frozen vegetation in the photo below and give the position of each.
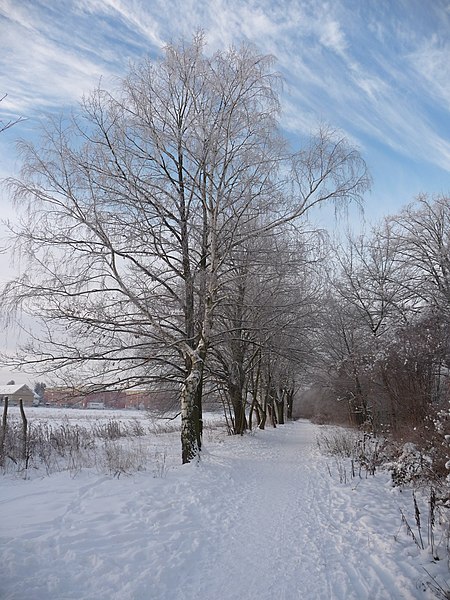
(285, 513)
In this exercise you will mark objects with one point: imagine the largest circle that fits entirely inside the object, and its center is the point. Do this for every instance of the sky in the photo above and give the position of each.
(377, 70)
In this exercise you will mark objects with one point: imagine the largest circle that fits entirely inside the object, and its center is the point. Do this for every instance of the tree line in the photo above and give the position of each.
(384, 346)
(166, 242)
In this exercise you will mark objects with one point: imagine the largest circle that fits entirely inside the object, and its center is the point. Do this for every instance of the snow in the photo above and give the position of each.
(259, 517)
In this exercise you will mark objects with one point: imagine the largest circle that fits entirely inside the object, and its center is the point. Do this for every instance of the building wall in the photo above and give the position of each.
(13, 399)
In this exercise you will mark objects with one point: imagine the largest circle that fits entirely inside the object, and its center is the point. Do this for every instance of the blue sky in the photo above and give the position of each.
(379, 70)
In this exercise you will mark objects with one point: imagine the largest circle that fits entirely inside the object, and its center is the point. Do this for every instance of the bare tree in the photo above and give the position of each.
(267, 311)
(369, 286)
(391, 349)
(421, 355)
(136, 204)
(422, 231)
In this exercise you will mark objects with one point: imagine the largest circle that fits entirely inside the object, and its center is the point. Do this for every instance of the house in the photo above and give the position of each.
(140, 399)
(72, 398)
(15, 392)
(63, 397)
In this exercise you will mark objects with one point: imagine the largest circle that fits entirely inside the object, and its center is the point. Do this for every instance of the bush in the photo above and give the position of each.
(364, 451)
(123, 460)
(411, 466)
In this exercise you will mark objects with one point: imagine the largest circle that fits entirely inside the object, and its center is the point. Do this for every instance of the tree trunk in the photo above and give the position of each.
(264, 410)
(290, 403)
(235, 391)
(271, 413)
(263, 419)
(280, 410)
(24, 429)
(240, 420)
(253, 410)
(3, 431)
(191, 411)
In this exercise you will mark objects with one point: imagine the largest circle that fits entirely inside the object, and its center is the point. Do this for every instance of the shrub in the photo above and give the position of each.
(411, 466)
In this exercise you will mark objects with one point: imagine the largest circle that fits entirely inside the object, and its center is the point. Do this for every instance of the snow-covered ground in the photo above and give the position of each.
(258, 518)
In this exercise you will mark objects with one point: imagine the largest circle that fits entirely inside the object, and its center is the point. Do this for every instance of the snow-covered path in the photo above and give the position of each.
(282, 531)
(259, 518)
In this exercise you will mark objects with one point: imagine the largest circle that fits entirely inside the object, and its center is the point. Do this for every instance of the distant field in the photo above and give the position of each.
(73, 415)
(114, 442)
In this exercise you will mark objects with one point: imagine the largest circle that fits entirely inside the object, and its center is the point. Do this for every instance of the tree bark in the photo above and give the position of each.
(280, 411)
(262, 422)
(236, 392)
(240, 419)
(24, 429)
(290, 404)
(191, 411)
(3, 430)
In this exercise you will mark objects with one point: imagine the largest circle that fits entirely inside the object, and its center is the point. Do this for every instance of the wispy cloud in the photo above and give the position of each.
(431, 61)
(382, 72)
(132, 14)
(46, 72)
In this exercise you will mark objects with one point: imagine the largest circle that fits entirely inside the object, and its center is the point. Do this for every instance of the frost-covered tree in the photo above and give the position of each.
(135, 205)
(262, 328)
(393, 339)
(39, 391)
(368, 286)
(422, 231)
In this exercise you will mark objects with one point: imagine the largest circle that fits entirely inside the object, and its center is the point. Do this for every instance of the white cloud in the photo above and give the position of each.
(360, 70)
(332, 36)
(431, 61)
(132, 13)
(18, 14)
(45, 72)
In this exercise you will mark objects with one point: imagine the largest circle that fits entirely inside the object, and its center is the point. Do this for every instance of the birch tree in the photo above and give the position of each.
(134, 205)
